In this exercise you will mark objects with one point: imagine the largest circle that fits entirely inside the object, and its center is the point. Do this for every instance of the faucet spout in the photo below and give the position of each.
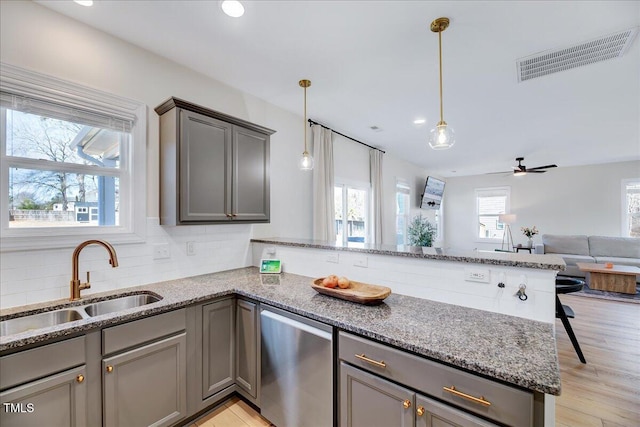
(76, 285)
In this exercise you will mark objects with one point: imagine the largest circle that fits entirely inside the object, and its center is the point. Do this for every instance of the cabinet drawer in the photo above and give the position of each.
(135, 333)
(18, 368)
(508, 405)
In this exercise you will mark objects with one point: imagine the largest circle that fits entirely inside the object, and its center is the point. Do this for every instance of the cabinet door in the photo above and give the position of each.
(370, 401)
(247, 347)
(205, 168)
(250, 175)
(146, 386)
(430, 413)
(57, 400)
(217, 346)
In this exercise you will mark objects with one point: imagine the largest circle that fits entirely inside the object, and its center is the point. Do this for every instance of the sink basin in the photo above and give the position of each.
(118, 304)
(38, 321)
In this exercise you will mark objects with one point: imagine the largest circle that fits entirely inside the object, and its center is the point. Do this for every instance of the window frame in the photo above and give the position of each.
(361, 186)
(132, 221)
(489, 192)
(624, 229)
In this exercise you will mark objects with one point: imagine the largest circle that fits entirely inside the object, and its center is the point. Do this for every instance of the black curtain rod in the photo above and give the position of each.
(342, 134)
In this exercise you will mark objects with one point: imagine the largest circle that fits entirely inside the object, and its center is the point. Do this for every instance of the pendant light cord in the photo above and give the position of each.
(304, 123)
(440, 57)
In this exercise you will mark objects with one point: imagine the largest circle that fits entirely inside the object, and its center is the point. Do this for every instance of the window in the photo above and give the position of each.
(352, 211)
(491, 202)
(73, 160)
(631, 208)
(403, 208)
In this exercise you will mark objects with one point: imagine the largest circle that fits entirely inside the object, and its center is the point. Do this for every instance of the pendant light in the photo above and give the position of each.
(442, 136)
(306, 162)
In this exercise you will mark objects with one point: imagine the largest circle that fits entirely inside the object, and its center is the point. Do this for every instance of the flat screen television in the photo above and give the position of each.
(432, 196)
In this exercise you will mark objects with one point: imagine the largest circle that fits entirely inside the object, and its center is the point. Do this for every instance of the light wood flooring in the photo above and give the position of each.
(603, 393)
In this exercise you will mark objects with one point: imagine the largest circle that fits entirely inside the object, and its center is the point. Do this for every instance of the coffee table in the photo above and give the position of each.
(619, 278)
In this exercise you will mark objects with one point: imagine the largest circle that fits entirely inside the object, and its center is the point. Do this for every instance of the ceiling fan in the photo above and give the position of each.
(521, 169)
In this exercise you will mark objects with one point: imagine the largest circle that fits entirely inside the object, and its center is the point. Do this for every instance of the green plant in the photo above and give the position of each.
(420, 231)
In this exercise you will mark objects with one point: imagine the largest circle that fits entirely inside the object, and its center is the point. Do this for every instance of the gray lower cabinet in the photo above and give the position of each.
(247, 348)
(213, 167)
(218, 338)
(373, 370)
(57, 400)
(370, 401)
(367, 400)
(145, 372)
(46, 385)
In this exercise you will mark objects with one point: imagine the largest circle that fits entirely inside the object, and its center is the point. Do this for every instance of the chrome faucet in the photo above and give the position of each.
(76, 285)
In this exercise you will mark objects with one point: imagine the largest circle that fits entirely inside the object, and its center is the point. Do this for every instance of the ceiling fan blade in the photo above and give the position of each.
(494, 173)
(542, 167)
(534, 171)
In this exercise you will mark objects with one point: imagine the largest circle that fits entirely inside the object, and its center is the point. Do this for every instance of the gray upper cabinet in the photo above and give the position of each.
(213, 167)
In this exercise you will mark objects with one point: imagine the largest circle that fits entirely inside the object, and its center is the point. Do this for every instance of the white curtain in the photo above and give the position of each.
(375, 167)
(323, 183)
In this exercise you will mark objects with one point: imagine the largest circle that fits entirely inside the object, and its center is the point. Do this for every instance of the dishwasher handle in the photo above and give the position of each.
(297, 325)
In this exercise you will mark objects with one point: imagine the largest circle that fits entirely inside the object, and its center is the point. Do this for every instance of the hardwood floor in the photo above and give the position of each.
(234, 413)
(603, 393)
(606, 391)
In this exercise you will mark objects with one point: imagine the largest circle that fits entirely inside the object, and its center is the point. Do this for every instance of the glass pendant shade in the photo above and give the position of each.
(442, 137)
(306, 162)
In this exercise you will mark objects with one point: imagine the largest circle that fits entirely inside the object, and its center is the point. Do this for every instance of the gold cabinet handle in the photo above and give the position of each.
(379, 364)
(109, 368)
(420, 411)
(234, 215)
(406, 404)
(229, 215)
(80, 378)
(480, 400)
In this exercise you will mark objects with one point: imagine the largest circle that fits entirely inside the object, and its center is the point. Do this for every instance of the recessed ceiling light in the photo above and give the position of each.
(84, 2)
(233, 8)
(419, 121)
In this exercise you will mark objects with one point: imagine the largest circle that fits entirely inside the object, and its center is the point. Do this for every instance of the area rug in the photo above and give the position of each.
(614, 296)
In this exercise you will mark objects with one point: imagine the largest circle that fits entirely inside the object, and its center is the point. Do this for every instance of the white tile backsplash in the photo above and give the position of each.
(442, 281)
(28, 277)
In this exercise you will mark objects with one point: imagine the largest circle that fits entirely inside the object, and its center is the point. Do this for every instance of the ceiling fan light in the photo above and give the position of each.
(519, 173)
(442, 136)
(306, 162)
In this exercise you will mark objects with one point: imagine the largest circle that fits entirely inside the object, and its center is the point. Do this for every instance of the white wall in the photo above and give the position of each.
(61, 47)
(564, 200)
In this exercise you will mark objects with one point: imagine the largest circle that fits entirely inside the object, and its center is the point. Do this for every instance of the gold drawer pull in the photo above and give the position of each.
(406, 404)
(379, 364)
(80, 378)
(481, 400)
(109, 368)
(420, 411)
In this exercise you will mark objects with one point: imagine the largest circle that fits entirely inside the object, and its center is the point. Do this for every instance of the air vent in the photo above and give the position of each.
(553, 61)
(375, 128)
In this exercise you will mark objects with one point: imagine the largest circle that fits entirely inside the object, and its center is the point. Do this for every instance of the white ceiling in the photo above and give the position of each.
(374, 63)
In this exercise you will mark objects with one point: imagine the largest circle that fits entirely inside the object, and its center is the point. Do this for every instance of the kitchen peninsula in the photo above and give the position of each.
(475, 279)
(488, 346)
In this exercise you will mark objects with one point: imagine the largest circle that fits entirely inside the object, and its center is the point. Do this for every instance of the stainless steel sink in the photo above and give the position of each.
(38, 321)
(118, 304)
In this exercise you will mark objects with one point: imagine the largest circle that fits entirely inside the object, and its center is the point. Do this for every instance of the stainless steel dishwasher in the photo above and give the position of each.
(297, 370)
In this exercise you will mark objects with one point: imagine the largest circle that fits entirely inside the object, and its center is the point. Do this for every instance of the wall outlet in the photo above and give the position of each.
(191, 248)
(360, 261)
(161, 251)
(334, 258)
(477, 275)
(270, 251)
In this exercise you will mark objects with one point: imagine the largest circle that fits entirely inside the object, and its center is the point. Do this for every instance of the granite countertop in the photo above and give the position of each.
(509, 259)
(516, 350)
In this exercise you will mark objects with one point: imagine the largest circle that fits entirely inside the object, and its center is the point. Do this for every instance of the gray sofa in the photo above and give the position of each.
(598, 249)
